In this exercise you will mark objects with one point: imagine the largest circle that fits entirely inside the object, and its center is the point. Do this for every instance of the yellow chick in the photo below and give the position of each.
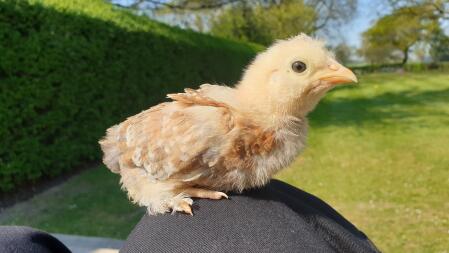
(217, 139)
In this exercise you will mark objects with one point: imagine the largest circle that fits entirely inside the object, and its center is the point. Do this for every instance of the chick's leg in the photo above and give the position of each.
(185, 205)
(205, 194)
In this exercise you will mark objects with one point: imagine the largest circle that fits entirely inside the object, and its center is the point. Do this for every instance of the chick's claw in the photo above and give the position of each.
(221, 195)
(184, 206)
(205, 194)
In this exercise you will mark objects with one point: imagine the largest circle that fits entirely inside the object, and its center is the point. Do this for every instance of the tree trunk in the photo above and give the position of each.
(405, 58)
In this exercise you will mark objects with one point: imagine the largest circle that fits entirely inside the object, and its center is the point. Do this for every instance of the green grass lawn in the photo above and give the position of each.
(88, 204)
(378, 153)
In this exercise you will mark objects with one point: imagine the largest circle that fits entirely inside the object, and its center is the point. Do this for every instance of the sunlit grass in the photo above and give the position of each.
(378, 153)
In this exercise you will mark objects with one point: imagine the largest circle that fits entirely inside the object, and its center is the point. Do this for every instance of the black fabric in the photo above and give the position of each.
(277, 218)
(14, 239)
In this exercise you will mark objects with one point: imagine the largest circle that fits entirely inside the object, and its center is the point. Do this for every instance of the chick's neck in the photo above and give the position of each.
(259, 106)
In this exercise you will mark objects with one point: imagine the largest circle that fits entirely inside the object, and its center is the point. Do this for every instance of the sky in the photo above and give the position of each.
(367, 13)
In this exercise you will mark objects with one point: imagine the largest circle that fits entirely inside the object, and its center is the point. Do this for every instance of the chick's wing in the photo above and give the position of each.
(176, 139)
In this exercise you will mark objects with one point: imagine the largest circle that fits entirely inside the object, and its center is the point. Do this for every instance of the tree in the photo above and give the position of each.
(343, 52)
(265, 21)
(434, 9)
(377, 54)
(326, 13)
(176, 4)
(395, 34)
(439, 46)
(264, 24)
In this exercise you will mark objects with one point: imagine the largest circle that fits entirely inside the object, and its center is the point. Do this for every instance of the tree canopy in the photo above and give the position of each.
(434, 9)
(393, 35)
(439, 43)
(259, 21)
(264, 24)
(343, 52)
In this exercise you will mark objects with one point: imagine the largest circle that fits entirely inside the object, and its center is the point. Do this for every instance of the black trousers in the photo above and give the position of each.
(277, 218)
(14, 239)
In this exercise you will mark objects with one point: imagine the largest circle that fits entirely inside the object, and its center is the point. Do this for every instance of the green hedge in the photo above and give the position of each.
(71, 68)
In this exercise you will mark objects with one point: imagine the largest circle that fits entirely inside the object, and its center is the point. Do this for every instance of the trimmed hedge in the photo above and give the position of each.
(71, 68)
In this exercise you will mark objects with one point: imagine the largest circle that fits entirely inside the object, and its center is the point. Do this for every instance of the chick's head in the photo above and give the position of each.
(291, 76)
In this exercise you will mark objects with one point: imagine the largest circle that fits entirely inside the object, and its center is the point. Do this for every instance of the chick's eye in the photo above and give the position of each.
(299, 66)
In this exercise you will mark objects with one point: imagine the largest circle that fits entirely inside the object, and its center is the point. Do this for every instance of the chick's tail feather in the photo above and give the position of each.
(110, 147)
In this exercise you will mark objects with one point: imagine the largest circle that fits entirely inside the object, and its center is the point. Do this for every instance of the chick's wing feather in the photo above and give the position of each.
(180, 138)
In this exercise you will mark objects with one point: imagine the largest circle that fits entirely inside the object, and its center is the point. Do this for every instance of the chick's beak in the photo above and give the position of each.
(338, 74)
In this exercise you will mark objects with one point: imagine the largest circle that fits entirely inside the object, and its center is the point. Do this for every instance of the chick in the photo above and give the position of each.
(217, 139)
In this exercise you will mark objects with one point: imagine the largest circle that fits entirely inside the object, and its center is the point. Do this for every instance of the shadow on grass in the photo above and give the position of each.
(379, 109)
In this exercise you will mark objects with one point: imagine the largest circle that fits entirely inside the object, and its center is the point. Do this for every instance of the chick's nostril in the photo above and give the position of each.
(333, 66)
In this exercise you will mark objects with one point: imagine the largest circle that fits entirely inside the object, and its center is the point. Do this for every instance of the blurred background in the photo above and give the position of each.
(378, 152)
